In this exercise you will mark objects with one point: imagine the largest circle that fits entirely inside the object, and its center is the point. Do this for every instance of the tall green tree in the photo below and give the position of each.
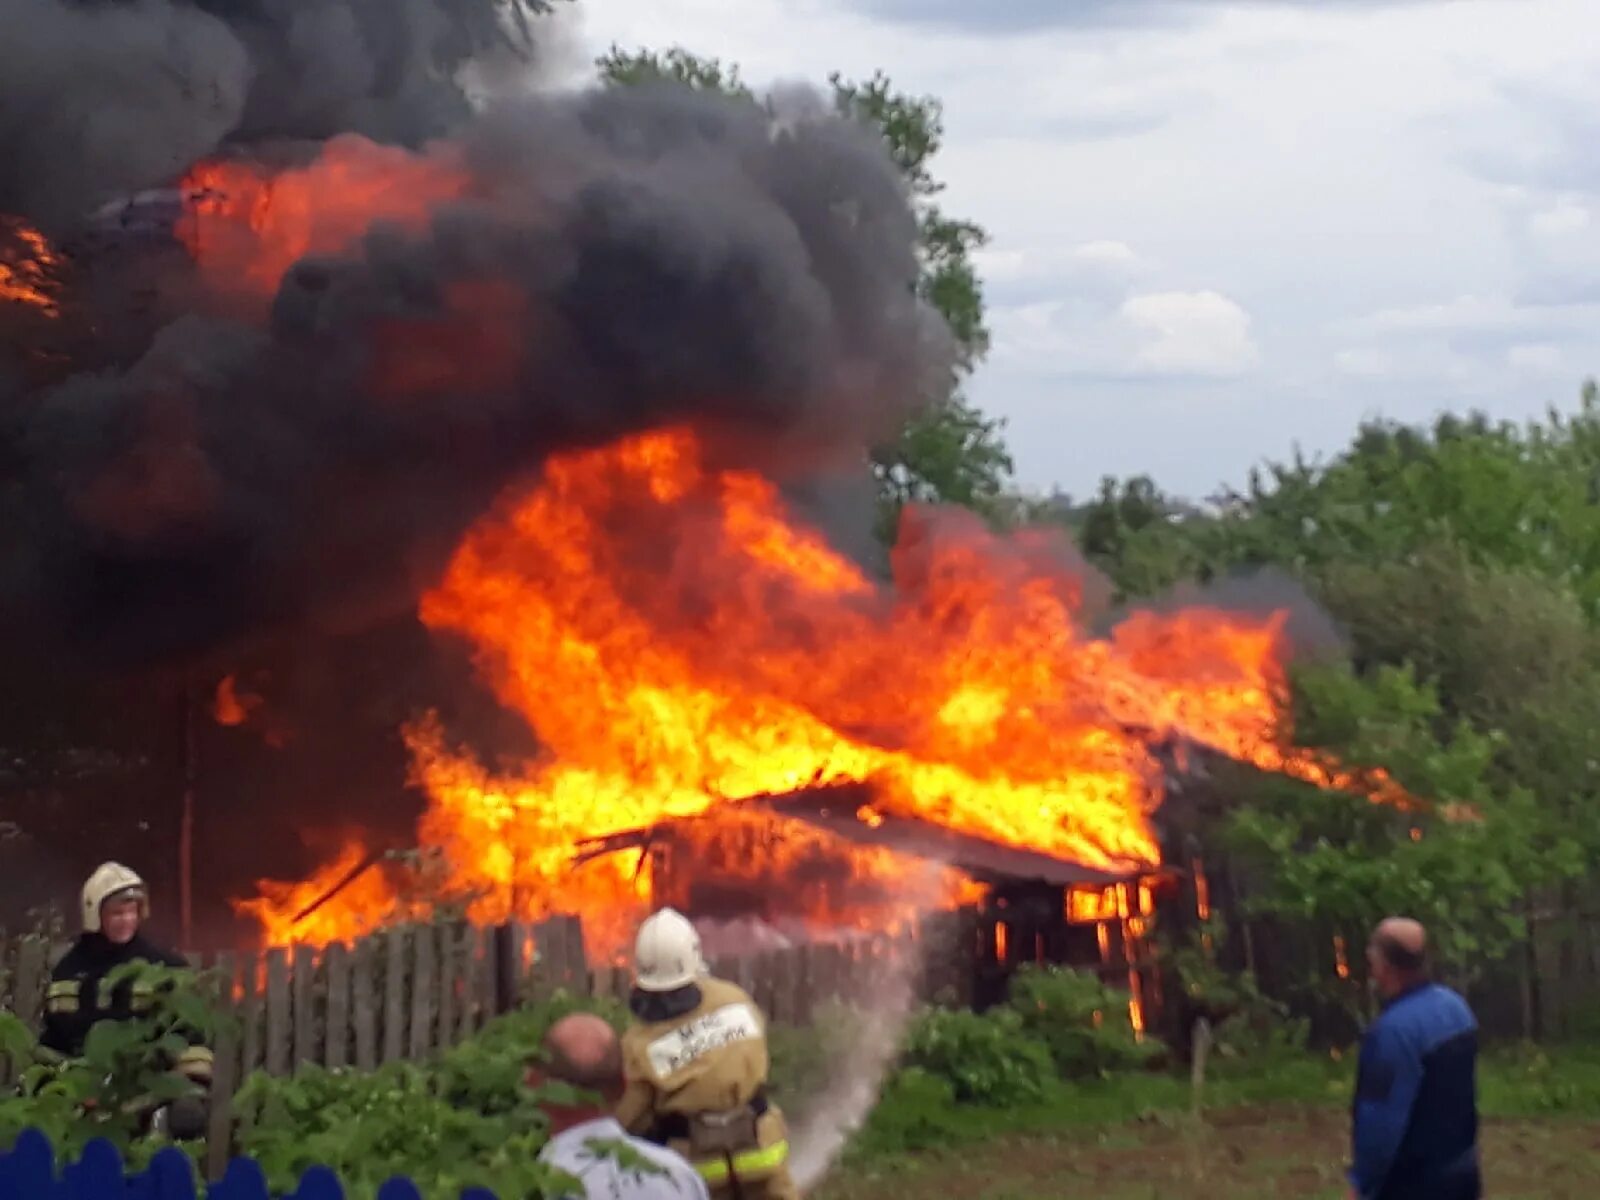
(951, 452)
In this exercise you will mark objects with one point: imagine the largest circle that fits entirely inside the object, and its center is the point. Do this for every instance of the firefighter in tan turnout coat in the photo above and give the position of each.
(696, 1065)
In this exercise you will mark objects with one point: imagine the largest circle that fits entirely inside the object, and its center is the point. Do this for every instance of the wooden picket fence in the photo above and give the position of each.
(412, 991)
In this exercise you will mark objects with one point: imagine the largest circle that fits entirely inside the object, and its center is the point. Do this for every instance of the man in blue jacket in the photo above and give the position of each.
(1415, 1117)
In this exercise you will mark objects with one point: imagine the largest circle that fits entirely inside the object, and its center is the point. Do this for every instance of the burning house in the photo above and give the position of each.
(560, 383)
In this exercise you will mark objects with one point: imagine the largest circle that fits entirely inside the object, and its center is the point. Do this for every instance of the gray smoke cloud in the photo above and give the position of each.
(631, 258)
(99, 98)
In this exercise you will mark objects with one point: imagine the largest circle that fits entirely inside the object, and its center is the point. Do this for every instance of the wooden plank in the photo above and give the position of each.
(504, 967)
(278, 1016)
(249, 1013)
(577, 957)
(226, 972)
(785, 978)
(336, 1045)
(449, 978)
(424, 996)
(303, 985)
(547, 948)
(224, 1083)
(602, 981)
(488, 976)
(471, 959)
(364, 996)
(32, 975)
(394, 993)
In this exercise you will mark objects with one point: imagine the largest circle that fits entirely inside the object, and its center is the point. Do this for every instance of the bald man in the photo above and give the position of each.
(1414, 1122)
(584, 1053)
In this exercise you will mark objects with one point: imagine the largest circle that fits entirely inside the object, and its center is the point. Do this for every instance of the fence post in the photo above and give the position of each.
(363, 987)
(423, 983)
(507, 960)
(278, 1028)
(303, 984)
(27, 989)
(249, 1013)
(225, 1077)
(394, 995)
(336, 1046)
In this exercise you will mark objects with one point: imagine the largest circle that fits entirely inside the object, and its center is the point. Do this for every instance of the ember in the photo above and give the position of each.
(680, 643)
(28, 267)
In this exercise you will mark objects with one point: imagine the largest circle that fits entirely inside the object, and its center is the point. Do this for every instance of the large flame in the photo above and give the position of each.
(679, 642)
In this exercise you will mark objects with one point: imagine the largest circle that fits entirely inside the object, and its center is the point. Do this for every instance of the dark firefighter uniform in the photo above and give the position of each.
(82, 993)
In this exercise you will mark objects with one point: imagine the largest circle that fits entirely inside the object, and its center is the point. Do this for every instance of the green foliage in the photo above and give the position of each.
(399, 1120)
(675, 65)
(1245, 1023)
(125, 1067)
(1081, 1023)
(464, 1119)
(1336, 866)
(987, 1059)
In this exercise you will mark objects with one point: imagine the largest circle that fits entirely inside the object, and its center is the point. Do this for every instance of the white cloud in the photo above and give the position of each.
(1535, 358)
(1192, 333)
(1560, 220)
(1391, 245)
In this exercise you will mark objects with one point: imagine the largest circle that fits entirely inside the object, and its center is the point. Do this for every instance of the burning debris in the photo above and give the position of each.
(28, 266)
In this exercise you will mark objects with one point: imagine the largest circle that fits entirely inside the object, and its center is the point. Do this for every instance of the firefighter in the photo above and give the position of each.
(115, 904)
(696, 1067)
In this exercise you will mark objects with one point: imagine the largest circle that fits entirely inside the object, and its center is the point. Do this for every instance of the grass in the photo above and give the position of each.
(1275, 1131)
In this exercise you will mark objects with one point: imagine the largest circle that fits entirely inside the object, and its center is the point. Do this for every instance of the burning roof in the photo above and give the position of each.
(846, 813)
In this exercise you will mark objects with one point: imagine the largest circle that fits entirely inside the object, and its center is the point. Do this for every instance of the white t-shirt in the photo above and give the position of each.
(586, 1152)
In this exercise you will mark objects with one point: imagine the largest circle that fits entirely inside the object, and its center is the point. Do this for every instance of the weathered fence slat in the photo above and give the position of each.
(471, 960)
(423, 996)
(364, 994)
(449, 970)
(304, 986)
(336, 1048)
(224, 1082)
(278, 1023)
(488, 975)
(249, 1013)
(33, 971)
(394, 994)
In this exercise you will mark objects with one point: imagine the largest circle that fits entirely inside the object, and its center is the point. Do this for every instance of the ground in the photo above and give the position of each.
(1250, 1153)
(1270, 1129)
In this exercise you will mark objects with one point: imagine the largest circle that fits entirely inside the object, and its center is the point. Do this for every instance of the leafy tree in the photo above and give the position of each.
(1329, 867)
(950, 453)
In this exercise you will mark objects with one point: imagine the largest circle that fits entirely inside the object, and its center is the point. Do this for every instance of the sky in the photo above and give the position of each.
(1222, 233)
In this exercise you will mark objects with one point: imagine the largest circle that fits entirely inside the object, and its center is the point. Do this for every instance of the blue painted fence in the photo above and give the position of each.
(28, 1172)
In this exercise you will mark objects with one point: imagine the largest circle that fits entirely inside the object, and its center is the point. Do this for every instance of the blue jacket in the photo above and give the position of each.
(1414, 1124)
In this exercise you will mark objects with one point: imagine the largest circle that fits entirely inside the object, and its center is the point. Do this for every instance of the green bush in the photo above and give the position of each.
(1081, 1023)
(988, 1059)
(462, 1120)
(124, 1069)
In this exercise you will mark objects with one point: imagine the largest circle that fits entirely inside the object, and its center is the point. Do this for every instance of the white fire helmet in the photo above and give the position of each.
(666, 955)
(112, 881)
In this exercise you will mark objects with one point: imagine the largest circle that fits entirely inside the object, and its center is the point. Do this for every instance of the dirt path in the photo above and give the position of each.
(1249, 1154)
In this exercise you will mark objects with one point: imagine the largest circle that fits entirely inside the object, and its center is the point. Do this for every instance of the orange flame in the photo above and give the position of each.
(28, 267)
(246, 225)
(679, 642)
(229, 708)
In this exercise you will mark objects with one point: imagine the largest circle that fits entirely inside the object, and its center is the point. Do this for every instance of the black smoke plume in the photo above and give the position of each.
(630, 258)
